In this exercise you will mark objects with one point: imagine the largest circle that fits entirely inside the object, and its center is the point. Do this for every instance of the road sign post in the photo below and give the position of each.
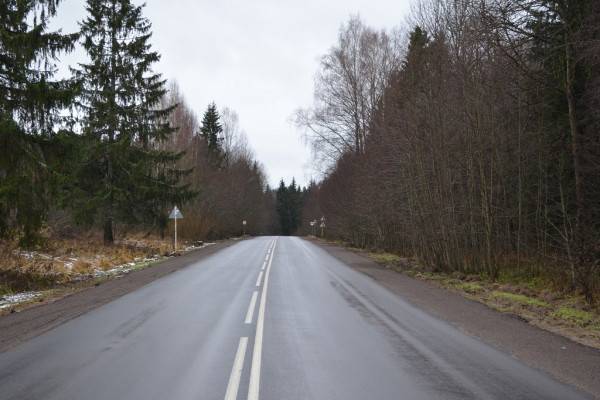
(313, 227)
(175, 214)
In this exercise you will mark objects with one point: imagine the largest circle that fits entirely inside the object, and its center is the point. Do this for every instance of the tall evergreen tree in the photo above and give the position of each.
(289, 207)
(30, 101)
(124, 176)
(295, 205)
(211, 131)
(282, 208)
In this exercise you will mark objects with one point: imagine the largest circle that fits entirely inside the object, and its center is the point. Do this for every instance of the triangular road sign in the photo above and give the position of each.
(175, 213)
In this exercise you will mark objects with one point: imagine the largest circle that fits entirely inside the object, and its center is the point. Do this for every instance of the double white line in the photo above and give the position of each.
(253, 388)
(238, 363)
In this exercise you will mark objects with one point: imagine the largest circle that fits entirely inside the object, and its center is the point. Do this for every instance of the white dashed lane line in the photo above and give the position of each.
(236, 372)
(251, 308)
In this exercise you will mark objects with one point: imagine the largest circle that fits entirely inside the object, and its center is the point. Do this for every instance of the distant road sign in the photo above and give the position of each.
(175, 213)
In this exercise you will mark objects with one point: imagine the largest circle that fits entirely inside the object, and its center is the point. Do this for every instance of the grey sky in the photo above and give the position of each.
(257, 57)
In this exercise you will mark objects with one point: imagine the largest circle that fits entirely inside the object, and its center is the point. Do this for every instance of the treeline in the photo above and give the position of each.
(471, 143)
(110, 145)
(231, 186)
(289, 204)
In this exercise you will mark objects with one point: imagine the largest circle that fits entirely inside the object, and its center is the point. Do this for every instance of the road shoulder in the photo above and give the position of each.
(19, 327)
(562, 358)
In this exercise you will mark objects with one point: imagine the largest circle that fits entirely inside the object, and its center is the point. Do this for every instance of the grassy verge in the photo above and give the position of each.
(66, 266)
(531, 299)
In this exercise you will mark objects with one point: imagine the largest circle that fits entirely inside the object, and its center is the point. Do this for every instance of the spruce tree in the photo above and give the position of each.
(295, 205)
(30, 101)
(289, 207)
(124, 175)
(211, 131)
(282, 205)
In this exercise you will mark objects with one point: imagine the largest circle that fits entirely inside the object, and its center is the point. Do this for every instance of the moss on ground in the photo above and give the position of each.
(385, 258)
(471, 288)
(579, 317)
(519, 298)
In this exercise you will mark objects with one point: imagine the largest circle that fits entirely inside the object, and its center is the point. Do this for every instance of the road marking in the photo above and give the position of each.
(251, 308)
(254, 386)
(263, 266)
(260, 274)
(236, 370)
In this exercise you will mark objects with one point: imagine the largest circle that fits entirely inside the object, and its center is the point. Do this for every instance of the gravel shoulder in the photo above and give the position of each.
(21, 326)
(567, 361)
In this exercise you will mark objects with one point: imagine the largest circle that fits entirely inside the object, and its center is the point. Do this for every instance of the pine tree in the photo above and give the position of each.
(30, 101)
(124, 176)
(211, 132)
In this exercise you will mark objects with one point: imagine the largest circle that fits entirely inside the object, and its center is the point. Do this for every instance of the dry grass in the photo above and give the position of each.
(62, 261)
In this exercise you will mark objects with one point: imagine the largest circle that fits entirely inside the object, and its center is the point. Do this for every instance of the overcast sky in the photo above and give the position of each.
(257, 57)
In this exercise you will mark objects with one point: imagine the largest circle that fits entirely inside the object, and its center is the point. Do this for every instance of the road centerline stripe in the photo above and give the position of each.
(251, 308)
(260, 274)
(254, 386)
(236, 371)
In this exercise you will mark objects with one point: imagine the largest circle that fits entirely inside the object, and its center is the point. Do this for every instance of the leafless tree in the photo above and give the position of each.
(481, 154)
(348, 88)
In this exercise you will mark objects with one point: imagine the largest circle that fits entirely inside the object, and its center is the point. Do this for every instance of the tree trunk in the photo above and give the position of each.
(575, 148)
(108, 231)
(108, 208)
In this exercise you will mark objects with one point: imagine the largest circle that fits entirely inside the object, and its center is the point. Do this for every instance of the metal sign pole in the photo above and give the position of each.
(175, 248)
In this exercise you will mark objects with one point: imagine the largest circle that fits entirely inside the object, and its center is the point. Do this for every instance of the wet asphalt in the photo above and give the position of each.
(321, 331)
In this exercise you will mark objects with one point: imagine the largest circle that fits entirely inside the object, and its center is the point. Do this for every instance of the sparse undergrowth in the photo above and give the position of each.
(533, 299)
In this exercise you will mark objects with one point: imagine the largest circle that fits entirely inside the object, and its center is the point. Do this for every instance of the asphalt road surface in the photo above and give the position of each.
(267, 318)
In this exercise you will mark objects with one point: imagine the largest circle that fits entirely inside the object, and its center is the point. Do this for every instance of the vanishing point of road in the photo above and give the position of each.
(268, 318)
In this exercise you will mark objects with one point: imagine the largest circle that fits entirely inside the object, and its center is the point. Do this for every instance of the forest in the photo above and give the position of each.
(92, 163)
(467, 140)
(114, 146)
(157, 238)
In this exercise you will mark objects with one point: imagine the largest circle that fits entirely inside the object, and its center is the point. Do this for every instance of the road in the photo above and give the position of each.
(267, 318)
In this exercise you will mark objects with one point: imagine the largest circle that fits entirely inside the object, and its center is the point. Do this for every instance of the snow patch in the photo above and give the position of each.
(123, 269)
(7, 301)
(13, 299)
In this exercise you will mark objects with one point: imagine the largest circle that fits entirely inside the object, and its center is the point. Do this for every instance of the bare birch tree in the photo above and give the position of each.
(348, 88)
